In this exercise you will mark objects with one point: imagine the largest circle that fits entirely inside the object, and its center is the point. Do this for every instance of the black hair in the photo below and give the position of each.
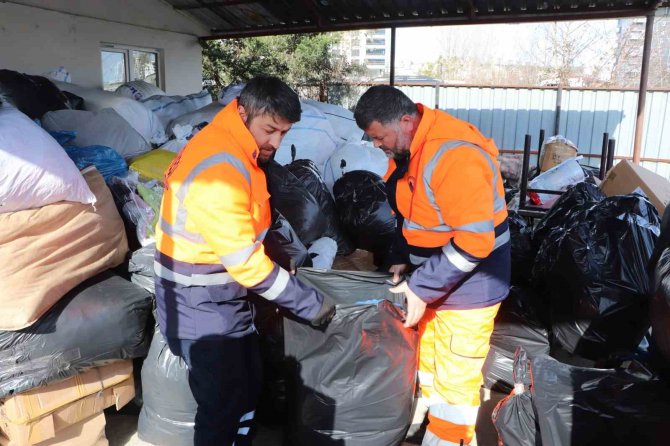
(270, 95)
(384, 104)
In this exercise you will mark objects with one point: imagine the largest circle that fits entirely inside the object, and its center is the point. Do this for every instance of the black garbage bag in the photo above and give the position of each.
(660, 311)
(517, 324)
(292, 199)
(663, 241)
(514, 417)
(33, 95)
(364, 210)
(570, 207)
(352, 382)
(282, 244)
(582, 406)
(307, 172)
(168, 413)
(523, 251)
(74, 102)
(595, 277)
(104, 318)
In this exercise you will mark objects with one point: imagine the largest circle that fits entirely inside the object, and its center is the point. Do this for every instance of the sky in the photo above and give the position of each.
(503, 43)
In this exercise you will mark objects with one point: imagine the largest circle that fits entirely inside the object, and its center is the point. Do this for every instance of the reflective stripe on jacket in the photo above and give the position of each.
(209, 240)
(455, 217)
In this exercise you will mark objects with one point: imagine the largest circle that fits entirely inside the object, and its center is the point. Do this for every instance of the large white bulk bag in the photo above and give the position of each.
(341, 119)
(34, 168)
(103, 128)
(354, 156)
(168, 108)
(139, 90)
(143, 120)
(313, 137)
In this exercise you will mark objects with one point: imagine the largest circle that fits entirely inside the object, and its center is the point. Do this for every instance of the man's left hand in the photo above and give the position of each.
(415, 305)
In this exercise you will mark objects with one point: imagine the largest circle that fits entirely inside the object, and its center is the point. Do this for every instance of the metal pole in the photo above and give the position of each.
(539, 148)
(557, 120)
(437, 95)
(610, 154)
(524, 173)
(392, 73)
(603, 156)
(642, 94)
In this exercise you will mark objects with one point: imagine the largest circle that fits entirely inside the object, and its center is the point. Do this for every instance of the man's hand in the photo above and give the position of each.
(415, 305)
(397, 270)
(326, 314)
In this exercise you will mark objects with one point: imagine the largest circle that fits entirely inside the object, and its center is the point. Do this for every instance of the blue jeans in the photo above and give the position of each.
(225, 378)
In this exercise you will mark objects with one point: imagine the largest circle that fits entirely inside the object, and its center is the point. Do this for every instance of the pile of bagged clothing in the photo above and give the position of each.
(70, 324)
(580, 343)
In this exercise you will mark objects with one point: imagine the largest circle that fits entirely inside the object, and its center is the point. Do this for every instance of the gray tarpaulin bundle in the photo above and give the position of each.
(351, 383)
(102, 319)
(168, 413)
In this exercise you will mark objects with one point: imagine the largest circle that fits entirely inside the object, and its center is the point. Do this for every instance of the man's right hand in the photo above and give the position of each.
(398, 270)
(325, 314)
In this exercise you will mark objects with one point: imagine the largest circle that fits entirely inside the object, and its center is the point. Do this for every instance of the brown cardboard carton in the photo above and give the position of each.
(626, 177)
(50, 426)
(554, 153)
(33, 404)
(89, 432)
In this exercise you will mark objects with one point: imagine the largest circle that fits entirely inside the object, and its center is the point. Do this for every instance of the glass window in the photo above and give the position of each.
(145, 66)
(123, 64)
(113, 69)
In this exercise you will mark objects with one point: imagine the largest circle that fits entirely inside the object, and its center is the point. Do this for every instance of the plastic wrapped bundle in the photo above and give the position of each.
(595, 276)
(569, 207)
(364, 210)
(523, 252)
(581, 406)
(514, 416)
(307, 172)
(103, 319)
(294, 201)
(352, 382)
(168, 413)
(660, 300)
(33, 95)
(283, 245)
(517, 324)
(141, 268)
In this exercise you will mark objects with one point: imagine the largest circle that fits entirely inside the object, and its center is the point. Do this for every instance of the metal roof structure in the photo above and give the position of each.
(247, 18)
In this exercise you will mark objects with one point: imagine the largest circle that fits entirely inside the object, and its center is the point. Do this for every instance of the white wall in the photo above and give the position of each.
(34, 40)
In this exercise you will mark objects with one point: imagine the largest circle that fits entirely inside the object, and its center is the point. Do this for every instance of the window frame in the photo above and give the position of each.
(126, 50)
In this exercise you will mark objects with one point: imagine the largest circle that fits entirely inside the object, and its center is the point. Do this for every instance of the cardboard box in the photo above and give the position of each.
(625, 177)
(50, 427)
(90, 432)
(554, 153)
(33, 404)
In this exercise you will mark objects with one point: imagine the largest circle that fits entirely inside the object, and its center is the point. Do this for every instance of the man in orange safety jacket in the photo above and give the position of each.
(448, 197)
(209, 254)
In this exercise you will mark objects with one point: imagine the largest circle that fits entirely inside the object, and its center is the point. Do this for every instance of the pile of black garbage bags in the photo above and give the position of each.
(582, 343)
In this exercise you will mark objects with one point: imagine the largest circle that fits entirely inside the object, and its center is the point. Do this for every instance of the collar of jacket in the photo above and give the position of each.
(419, 139)
(230, 121)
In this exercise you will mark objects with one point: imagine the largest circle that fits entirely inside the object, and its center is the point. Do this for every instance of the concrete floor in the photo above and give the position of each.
(122, 427)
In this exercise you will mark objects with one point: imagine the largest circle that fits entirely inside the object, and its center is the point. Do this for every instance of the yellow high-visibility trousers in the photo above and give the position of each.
(454, 345)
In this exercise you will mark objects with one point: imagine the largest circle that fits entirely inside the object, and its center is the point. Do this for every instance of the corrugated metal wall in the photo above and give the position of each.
(508, 114)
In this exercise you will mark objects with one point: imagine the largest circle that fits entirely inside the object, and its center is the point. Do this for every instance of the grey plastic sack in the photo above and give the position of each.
(141, 268)
(168, 413)
(352, 382)
(103, 128)
(103, 319)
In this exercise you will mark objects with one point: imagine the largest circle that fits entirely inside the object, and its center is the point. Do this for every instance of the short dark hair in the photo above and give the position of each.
(382, 103)
(270, 95)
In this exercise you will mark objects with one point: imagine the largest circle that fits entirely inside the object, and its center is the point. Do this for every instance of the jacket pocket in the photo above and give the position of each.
(224, 293)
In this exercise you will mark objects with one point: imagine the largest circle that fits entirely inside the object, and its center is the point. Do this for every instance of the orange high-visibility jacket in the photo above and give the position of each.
(209, 239)
(455, 218)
